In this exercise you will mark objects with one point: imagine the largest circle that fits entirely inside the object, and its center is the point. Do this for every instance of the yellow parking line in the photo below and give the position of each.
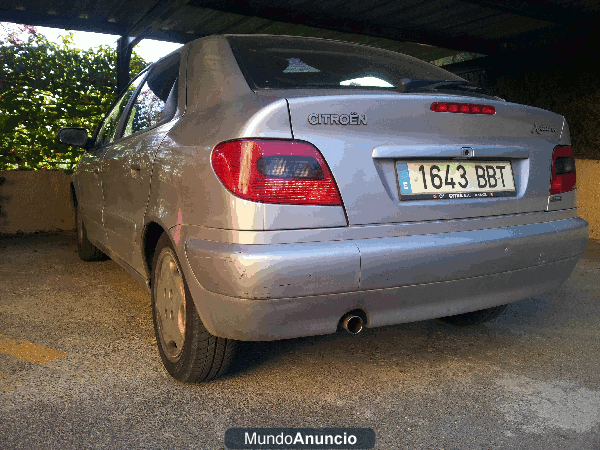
(28, 351)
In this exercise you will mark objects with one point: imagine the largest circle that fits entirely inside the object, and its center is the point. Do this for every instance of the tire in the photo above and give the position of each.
(475, 317)
(85, 249)
(188, 351)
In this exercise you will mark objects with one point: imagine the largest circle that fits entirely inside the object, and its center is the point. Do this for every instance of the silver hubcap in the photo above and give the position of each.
(170, 305)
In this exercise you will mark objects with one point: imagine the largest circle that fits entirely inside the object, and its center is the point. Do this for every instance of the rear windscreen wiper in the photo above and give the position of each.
(408, 85)
(412, 85)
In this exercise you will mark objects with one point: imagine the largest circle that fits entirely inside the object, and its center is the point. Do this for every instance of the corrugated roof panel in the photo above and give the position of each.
(408, 12)
(214, 23)
(501, 27)
(199, 20)
(460, 17)
(250, 25)
(467, 25)
(358, 8)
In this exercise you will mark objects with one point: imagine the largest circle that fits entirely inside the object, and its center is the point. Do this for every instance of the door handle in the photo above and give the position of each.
(96, 170)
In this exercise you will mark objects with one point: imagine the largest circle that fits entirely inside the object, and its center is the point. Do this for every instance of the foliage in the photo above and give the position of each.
(46, 86)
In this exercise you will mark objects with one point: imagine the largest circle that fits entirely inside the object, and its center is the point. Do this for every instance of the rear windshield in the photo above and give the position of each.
(275, 62)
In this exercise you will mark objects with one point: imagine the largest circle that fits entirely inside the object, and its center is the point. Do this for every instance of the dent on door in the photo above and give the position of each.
(126, 181)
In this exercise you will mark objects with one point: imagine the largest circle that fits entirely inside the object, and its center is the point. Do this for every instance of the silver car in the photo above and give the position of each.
(267, 187)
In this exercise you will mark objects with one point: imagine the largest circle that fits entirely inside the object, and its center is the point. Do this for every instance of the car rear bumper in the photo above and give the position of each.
(274, 291)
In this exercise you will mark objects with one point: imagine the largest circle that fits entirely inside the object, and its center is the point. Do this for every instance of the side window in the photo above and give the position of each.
(107, 131)
(145, 112)
(157, 100)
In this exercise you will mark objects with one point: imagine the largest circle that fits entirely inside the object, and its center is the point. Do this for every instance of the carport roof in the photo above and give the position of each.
(429, 29)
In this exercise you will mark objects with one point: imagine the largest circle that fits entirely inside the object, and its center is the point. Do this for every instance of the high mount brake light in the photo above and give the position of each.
(463, 108)
(275, 171)
(563, 170)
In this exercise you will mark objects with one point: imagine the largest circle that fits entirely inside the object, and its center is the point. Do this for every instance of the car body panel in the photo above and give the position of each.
(316, 268)
(403, 128)
(182, 160)
(282, 318)
(270, 271)
(126, 181)
(128, 165)
(88, 187)
(398, 261)
(291, 236)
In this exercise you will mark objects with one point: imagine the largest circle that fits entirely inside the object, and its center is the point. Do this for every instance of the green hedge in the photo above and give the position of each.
(44, 87)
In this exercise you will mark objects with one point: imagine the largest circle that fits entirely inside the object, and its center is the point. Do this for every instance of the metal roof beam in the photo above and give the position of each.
(147, 24)
(154, 18)
(124, 49)
(96, 23)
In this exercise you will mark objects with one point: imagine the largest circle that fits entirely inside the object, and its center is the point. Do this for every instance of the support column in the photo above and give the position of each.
(124, 49)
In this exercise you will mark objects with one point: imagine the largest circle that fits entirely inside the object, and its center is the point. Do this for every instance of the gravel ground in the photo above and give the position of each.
(528, 379)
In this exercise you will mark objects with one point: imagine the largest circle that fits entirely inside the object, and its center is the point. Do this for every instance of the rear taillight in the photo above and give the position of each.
(463, 108)
(275, 171)
(563, 170)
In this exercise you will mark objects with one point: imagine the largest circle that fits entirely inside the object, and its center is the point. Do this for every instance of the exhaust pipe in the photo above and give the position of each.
(352, 323)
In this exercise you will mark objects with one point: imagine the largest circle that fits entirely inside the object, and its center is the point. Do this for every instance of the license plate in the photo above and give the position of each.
(454, 180)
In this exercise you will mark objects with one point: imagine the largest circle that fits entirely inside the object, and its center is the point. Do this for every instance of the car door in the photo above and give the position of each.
(128, 162)
(89, 195)
(89, 172)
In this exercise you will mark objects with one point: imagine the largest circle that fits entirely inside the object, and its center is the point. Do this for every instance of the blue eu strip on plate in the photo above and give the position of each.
(404, 178)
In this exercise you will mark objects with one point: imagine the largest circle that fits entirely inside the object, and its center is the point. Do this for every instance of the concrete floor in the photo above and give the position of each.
(88, 374)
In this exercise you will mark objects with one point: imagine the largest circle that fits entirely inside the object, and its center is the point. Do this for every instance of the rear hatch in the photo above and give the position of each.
(370, 142)
(370, 113)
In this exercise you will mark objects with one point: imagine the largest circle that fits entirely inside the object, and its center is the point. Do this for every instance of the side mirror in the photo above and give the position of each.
(77, 137)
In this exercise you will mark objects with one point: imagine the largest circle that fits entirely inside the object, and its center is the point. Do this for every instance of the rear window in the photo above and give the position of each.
(274, 62)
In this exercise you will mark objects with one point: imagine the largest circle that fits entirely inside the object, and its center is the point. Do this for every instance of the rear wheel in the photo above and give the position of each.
(85, 249)
(475, 317)
(188, 351)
